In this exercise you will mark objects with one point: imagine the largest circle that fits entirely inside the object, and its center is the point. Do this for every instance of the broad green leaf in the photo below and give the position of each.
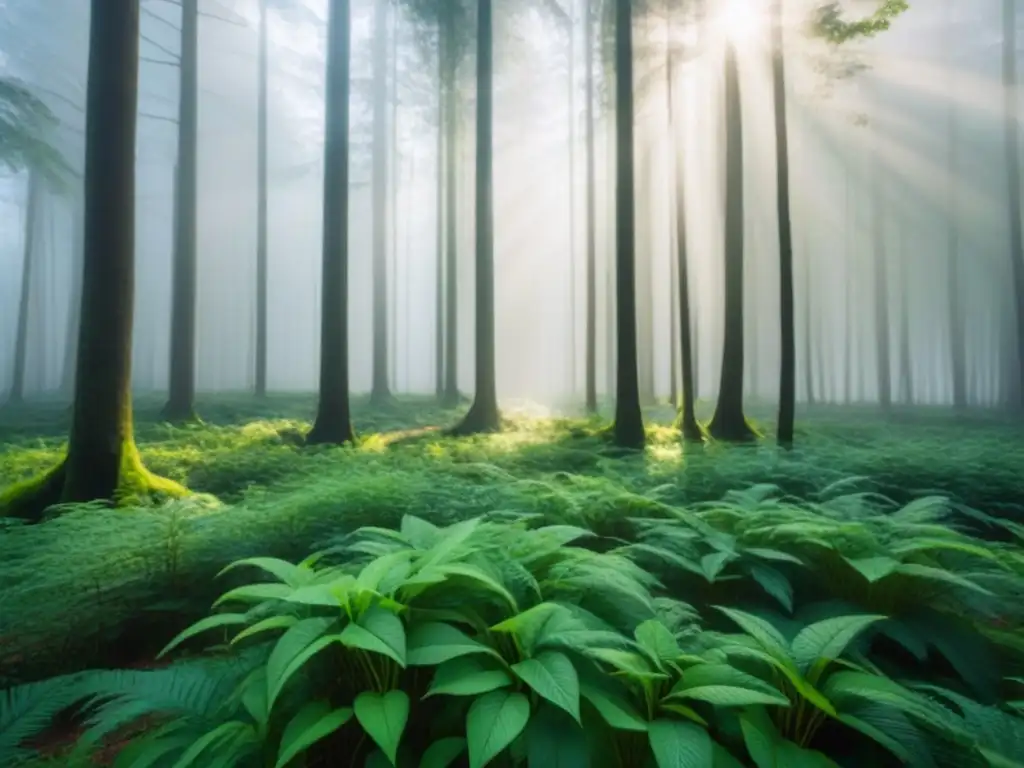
(732, 696)
(654, 637)
(478, 577)
(443, 752)
(827, 639)
(215, 621)
(928, 573)
(529, 624)
(390, 569)
(296, 646)
(764, 633)
(282, 621)
(469, 676)
(255, 593)
(629, 663)
(775, 584)
(676, 744)
(333, 594)
(687, 713)
(420, 533)
(209, 740)
(773, 554)
(493, 722)
(378, 631)
(712, 565)
(873, 568)
(553, 677)
(878, 736)
(449, 541)
(769, 750)
(616, 711)
(706, 674)
(313, 722)
(285, 572)
(555, 741)
(435, 642)
(383, 717)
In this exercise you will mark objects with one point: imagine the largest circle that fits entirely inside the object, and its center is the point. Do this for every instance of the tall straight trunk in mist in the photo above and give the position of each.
(394, 181)
(33, 194)
(682, 334)
(333, 422)
(261, 209)
(808, 293)
(1012, 138)
(957, 340)
(787, 324)
(571, 147)
(182, 383)
(483, 413)
(439, 223)
(448, 12)
(380, 391)
(67, 385)
(729, 423)
(848, 275)
(883, 354)
(628, 429)
(591, 214)
(906, 380)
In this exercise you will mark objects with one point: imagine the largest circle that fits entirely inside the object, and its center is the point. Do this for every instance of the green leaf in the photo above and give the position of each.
(631, 664)
(655, 638)
(389, 570)
(773, 554)
(712, 565)
(210, 622)
(493, 722)
(378, 631)
(553, 677)
(616, 711)
(283, 571)
(764, 633)
(293, 649)
(529, 624)
(282, 621)
(732, 696)
(210, 739)
(255, 593)
(420, 533)
(827, 639)
(449, 541)
(775, 584)
(383, 717)
(941, 576)
(443, 752)
(469, 676)
(676, 744)
(769, 750)
(478, 577)
(873, 568)
(555, 741)
(310, 724)
(435, 642)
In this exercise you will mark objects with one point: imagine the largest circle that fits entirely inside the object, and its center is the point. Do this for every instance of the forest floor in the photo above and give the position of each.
(98, 587)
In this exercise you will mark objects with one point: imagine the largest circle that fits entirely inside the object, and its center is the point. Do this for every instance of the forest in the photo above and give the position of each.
(511, 383)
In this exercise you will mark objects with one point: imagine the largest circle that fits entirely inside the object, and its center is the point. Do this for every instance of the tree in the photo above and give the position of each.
(261, 209)
(26, 123)
(483, 414)
(32, 199)
(333, 422)
(628, 428)
(180, 405)
(591, 215)
(1012, 139)
(102, 461)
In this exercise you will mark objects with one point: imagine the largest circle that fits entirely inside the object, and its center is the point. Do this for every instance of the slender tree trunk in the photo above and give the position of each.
(848, 273)
(1013, 183)
(787, 372)
(683, 333)
(906, 356)
(451, 363)
(483, 414)
(591, 363)
(74, 299)
(957, 342)
(729, 423)
(395, 179)
(181, 398)
(380, 392)
(333, 419)
(261, 211)
(572, 199)
(808, 326)
(439, 222)
(32, 199)
(883, 359)
(629, 426)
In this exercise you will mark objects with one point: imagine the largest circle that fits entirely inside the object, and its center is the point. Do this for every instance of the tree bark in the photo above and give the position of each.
(591, 330)
(572, 201)
(957, 341)
(261, 210)
(883, 354)
(440, 219)
(628, 429)
(1013, 200)
(380, 391)
(67, 386)
(729, 423)
(333, 420)
(787, 372)
(33, 196)
(483, 414)
(182, 385)
(451, 364)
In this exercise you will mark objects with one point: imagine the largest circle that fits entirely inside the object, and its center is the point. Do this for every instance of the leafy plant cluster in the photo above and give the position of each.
(753, 631)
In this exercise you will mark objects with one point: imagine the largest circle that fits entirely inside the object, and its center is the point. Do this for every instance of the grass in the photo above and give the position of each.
(100, 586)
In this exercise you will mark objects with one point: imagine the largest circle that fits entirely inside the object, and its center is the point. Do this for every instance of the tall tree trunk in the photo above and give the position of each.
(906, 356)
(451, 363)
(808, 295)
(33, 195)
(67, 385)
(572, 199)
(394, 180)
(957, 342)
(261, 210)
(333, 419)
(848, 274)
(683, 333)
(439, 223)
(729, 423)
(883, 355)
(380, 391)
(181, 398)
(1013, 201)
(787, 372)
(483, 414)
(629, 425)
(591, 221)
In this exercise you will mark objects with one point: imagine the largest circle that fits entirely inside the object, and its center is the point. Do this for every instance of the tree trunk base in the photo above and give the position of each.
(451, 399)
(382, 398)
(689, 428)
(731, 429)
(31, 499)
(175, 413)
(330, 434)
(479, 420)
